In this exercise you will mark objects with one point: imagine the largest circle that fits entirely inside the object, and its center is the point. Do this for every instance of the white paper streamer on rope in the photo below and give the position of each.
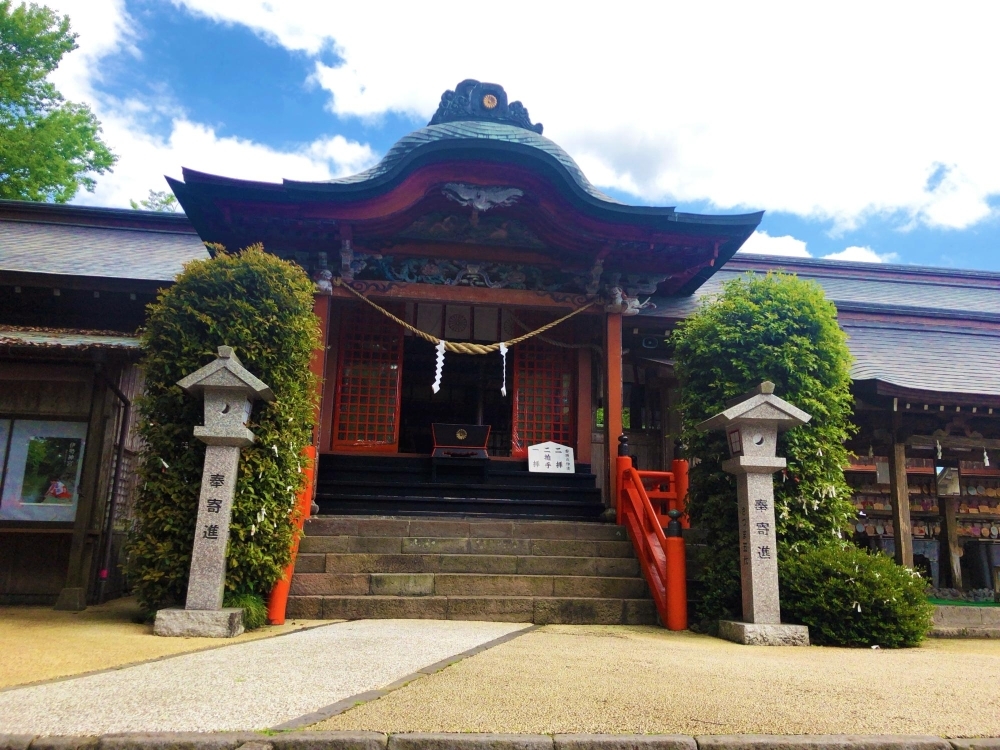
(503, 358)
(439, 367)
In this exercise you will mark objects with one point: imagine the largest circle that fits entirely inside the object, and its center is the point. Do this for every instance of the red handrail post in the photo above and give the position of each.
(277, 602)
(623, 464)
(680, 470)
(676, 577)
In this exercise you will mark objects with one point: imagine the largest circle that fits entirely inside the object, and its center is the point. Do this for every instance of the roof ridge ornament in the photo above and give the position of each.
(474, 100)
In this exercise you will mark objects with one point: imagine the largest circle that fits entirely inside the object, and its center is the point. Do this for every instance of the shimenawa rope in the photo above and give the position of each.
(460, 347)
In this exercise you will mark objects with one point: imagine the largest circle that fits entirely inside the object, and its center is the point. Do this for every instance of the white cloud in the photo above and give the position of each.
(837, 111)
(862, 255)
(104, 27)
(762, 243)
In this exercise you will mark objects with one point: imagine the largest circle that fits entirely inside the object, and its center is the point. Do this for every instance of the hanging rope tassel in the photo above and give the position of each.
(503, 359)
(438, 367)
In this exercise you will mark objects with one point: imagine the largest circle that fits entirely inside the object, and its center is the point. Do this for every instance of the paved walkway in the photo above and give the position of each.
(40, 643)
(631, 679)
(245, 686)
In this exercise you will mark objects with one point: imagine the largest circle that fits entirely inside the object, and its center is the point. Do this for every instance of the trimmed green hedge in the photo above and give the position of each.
(849, 597)
(783, 329)
(262, 307)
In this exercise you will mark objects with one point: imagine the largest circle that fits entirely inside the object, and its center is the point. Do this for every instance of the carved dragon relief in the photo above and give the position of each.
(621, 291)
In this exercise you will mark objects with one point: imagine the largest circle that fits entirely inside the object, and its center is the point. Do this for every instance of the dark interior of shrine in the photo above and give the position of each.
(470, 394)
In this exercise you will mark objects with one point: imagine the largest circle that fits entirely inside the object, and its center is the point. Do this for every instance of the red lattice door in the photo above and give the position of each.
(369, 375)
(544, 396)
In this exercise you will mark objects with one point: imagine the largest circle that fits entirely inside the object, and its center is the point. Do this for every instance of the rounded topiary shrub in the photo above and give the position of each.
(262, 307)
(783, 329)
(850, 597)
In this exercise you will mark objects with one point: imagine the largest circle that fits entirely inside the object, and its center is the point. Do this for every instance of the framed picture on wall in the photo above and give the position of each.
(42, 477)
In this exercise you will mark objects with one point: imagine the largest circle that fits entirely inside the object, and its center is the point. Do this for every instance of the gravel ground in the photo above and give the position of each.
(631, 679)
(244, 686)
(40, 643)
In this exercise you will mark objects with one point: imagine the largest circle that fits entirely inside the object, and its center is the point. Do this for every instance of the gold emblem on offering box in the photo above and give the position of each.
(489, 101)
(461, 434)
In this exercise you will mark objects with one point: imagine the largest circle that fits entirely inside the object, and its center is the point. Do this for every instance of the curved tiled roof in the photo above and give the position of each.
(473, 131)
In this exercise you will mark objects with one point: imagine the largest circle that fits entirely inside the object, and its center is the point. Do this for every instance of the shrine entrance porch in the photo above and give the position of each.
(401, 485)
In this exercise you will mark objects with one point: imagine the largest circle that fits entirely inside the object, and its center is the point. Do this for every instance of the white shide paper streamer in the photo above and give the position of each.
(439, 367)
(503, 359)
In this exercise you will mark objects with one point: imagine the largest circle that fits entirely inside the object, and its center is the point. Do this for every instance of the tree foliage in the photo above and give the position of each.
(49, 147)
(783, 329)
(262, 307)
(850, 597)
(162, 201)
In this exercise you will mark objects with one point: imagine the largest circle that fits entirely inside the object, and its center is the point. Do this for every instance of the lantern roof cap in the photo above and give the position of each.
(758, 405)
(226, 372)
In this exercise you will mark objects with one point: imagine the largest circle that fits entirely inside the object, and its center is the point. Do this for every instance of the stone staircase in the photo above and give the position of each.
(355, 567)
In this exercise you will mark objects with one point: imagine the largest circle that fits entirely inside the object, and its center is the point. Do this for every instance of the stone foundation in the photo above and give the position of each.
(759, 634)
(199, 623)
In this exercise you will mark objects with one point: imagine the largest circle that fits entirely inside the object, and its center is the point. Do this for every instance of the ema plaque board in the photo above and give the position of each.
(550, 458)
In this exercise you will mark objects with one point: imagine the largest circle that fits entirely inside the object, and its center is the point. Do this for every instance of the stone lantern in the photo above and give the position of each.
(752, 423)
(229, 391)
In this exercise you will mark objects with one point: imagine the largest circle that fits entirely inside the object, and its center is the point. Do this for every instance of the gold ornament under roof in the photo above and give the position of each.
(489, 101)
(461, 434)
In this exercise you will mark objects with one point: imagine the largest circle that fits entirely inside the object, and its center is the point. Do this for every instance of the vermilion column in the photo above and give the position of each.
(278, 599)
(613, 406)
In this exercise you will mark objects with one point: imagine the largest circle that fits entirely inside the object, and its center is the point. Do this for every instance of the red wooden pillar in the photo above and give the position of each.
(278, 600)
(613, 405)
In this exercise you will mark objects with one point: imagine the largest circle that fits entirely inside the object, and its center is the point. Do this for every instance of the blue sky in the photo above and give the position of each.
(877, 144)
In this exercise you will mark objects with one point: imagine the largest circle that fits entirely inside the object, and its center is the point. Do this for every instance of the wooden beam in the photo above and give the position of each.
(473, 295)
(948, 509)
(613, 403)
(899, 492)
(952, 441)
(73, 596)
(584, 407)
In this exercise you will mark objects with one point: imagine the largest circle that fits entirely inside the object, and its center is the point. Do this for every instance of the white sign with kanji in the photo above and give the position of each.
(550, 458)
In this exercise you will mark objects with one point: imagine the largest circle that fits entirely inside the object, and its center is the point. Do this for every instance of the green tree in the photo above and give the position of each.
(783, 329)
(262, 307)
(49, 147)
(158, 200)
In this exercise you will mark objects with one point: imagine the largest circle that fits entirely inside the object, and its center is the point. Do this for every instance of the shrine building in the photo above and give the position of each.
(474, 229)
(477, 296)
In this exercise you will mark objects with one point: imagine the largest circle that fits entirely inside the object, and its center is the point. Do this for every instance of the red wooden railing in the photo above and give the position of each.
(648, 500)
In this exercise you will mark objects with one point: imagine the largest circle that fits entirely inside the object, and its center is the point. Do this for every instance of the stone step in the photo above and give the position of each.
(360, 562)
(364, 526)
(539, 610)
(444, 545)
(466, 584)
